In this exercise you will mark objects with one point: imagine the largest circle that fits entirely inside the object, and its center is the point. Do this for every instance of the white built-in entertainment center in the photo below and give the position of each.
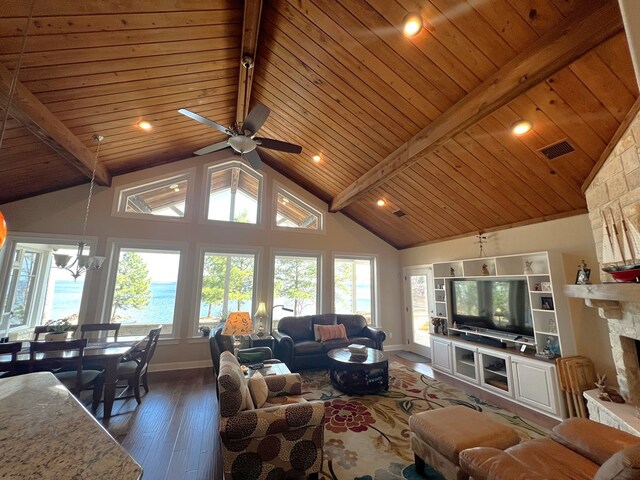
(513, 371)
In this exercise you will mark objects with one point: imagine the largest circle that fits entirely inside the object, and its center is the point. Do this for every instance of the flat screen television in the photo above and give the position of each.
(499, 305)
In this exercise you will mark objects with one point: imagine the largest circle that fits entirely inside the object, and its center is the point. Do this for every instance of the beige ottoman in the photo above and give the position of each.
(438, 437)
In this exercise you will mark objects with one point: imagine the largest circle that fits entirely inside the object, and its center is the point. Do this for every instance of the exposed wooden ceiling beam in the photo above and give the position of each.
(29, 111)
(558, 48)
(251, 27)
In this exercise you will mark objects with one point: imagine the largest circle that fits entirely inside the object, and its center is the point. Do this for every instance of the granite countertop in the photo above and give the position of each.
(45, 433)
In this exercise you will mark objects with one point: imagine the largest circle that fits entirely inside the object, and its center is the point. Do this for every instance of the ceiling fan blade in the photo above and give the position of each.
(278, 145)
(253, 158)
(206, 121)
(256, 118)
(212, 148)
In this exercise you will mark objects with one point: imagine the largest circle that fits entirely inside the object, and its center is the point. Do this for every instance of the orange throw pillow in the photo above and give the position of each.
(331, 332)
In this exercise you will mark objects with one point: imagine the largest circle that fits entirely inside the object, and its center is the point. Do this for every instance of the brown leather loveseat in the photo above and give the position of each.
(297, 347)
(577, 449)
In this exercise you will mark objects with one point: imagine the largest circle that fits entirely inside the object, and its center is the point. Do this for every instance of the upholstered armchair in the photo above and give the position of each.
(219, 343)
(283, 438)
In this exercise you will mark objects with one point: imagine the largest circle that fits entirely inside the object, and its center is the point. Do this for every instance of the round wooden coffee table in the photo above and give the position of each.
(366, 373)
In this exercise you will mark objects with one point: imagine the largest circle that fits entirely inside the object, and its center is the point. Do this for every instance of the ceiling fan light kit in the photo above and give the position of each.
(242, 139)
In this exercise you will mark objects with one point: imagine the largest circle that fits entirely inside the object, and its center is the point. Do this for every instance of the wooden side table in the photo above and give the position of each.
(264, 341)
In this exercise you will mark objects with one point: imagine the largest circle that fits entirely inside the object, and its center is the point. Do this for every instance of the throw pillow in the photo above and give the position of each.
(331, 332)
(250, 357)
(624, 465)
(258, 388)
(246, 394)
(316, 333)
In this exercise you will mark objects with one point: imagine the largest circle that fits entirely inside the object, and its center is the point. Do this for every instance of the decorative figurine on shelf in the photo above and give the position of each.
(553, 347)
(607, 394)
(527, 267)
(436, 322)
(600, 384)
(582, 277)
(485, 269)
(452, 272)
(537, 287)
(552, 326)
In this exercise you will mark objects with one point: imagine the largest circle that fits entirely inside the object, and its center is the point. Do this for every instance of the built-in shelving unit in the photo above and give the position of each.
(548, 308)
(513, 371)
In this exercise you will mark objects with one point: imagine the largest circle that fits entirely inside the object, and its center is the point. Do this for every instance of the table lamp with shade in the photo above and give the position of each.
(261, 312)
(237, 324)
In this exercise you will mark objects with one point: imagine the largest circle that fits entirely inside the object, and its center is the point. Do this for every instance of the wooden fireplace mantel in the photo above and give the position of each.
(607, 297)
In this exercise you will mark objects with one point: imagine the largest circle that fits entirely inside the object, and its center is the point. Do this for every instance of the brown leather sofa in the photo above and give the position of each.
(296, 345)
(577, 449)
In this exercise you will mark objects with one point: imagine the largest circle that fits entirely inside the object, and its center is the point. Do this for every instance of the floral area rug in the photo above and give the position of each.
(367, 436)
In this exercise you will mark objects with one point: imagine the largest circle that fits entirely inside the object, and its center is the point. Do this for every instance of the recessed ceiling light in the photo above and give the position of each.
(144, 125)
(381, 203)
(521, 127)
(412, 24)
(175, 187)
(317, 158)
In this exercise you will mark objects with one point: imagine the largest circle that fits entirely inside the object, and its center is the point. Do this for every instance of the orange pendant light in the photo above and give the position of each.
(3, 230)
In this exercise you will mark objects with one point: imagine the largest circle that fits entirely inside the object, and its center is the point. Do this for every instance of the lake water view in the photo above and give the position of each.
(160, 309)
(66, 295)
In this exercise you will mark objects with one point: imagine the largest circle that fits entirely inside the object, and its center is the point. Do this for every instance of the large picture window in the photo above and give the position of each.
(354, 286)
(234, 193)
(296, 283)
(226, 286)
(36, 291)
(145, 289)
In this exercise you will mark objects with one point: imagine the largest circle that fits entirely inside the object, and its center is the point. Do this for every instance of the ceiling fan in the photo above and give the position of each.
(242, 138)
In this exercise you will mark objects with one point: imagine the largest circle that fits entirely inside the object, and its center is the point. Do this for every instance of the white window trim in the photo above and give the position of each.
(319, 256)
(204, 207)
(107, 287)
(189, 204)
(8, 251)
(375, 287)
(306, 203)
(197, 279)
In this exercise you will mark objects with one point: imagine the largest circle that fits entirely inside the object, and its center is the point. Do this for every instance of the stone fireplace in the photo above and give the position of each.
(624, 335)
(623, 318)
(615, 188)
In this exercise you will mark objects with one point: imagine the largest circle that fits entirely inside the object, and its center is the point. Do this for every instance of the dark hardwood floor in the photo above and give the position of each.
(174, 433)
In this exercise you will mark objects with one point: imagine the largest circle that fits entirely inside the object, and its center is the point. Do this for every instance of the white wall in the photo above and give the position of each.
(572, 237)
(62, 213)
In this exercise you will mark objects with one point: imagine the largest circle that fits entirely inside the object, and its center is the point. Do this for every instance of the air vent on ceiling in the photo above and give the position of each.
(399, 213)
(557, 150)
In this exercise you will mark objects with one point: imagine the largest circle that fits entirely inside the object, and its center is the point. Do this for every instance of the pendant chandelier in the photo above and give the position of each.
(81, 263)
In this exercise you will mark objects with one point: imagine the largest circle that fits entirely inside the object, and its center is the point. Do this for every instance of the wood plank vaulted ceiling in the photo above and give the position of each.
(422, 122)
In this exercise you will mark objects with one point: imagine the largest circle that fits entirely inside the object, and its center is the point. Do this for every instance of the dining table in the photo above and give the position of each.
(107, 354)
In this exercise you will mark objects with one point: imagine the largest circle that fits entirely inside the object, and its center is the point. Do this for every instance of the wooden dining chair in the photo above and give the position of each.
(40, 329)
(134, 371)
(9, 367)
(59, 358)
(88, 328)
